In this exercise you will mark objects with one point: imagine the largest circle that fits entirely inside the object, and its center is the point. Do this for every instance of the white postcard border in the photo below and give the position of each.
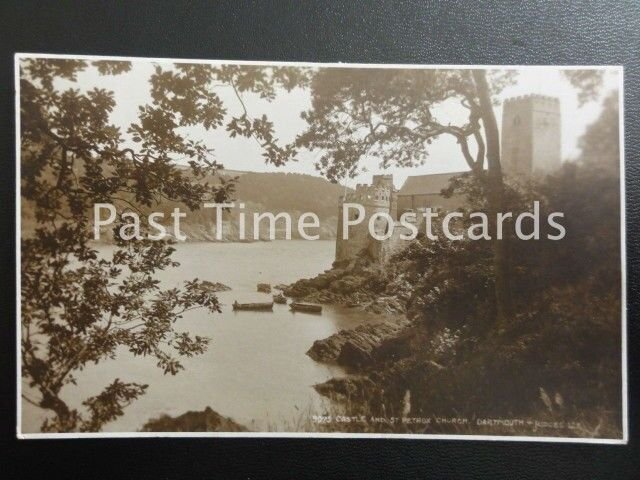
(625, 413)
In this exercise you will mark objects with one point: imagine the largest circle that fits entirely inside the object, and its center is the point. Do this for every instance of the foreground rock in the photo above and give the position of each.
(351, 388)
(358, 347)
(205, 421)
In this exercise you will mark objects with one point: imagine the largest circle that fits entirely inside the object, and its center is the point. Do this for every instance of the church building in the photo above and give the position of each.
(530, 145)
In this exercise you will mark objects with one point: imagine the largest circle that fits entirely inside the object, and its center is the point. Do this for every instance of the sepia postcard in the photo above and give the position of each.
(224, 248)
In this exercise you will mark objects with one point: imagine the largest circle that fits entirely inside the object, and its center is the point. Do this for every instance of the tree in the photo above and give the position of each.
(78, 308)
(565, 334)
(390, 114)
(600, 146)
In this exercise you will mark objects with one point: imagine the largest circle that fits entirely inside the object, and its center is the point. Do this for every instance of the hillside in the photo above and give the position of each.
(290, 192)
(272, 192)
(260, 192)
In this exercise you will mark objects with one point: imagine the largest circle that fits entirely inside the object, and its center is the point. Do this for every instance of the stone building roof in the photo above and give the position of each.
(426, 184)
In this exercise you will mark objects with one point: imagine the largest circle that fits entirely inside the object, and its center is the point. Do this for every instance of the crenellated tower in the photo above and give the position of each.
(378, 197)
(531, 142)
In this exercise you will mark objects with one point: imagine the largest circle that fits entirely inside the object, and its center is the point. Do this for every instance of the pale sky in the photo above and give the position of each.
(132, 90)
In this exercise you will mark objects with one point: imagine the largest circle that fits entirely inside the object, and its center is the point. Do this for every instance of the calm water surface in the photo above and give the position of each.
(255, 369)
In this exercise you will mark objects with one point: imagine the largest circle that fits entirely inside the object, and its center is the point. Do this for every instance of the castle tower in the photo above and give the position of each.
(373, 198)
(531, 135)
(386, 181)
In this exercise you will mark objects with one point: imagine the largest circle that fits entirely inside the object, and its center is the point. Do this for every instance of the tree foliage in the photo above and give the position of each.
(565, 333)
(392, 115)
(78, 307)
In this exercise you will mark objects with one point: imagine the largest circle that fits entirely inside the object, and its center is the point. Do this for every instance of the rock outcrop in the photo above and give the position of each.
(356, 348)
(264, 287)
(356, 285)
(382, 385)
(352, 388)
(214, 286)
(206, 421)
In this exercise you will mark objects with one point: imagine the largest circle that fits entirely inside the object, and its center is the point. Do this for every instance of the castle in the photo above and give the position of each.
(531, 145)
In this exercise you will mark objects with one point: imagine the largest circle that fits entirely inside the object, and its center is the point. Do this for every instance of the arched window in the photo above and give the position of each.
(516, 120)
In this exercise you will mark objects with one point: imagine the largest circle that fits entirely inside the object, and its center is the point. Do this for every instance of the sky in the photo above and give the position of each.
(132, 90)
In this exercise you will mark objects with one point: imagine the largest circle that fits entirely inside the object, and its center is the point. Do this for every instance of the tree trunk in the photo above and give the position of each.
(495, 197)
(51, 401)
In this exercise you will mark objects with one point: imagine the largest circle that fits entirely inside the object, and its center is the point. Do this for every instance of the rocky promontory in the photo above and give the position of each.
(359, 284)
(367, 286)
(360, 346)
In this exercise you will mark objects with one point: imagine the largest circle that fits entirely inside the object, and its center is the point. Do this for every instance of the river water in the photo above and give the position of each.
(255, 369)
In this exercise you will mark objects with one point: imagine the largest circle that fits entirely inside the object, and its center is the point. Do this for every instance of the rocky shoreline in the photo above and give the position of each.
(373, 354)
(352, 286)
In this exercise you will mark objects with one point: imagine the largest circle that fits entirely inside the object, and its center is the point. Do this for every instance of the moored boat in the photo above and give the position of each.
(306, 307)
(253, 306)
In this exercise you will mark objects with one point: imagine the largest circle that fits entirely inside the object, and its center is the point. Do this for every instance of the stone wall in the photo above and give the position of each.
(382, 250)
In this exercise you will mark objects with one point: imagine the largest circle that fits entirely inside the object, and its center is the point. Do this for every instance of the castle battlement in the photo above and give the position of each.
(368, 195)
(536, 98)
(531, 134)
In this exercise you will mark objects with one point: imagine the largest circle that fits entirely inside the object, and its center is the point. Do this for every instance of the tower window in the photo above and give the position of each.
(516, 121)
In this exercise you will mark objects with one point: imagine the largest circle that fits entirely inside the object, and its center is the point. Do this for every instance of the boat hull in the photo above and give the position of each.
(306, 307)
(266, 306)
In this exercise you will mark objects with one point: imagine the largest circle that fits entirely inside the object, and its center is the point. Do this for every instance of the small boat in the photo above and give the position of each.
(280, 298)
(306, 307)
(253, 306)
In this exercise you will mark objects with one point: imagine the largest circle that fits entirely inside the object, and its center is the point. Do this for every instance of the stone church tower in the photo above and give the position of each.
(531, 135)
(530, 145)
